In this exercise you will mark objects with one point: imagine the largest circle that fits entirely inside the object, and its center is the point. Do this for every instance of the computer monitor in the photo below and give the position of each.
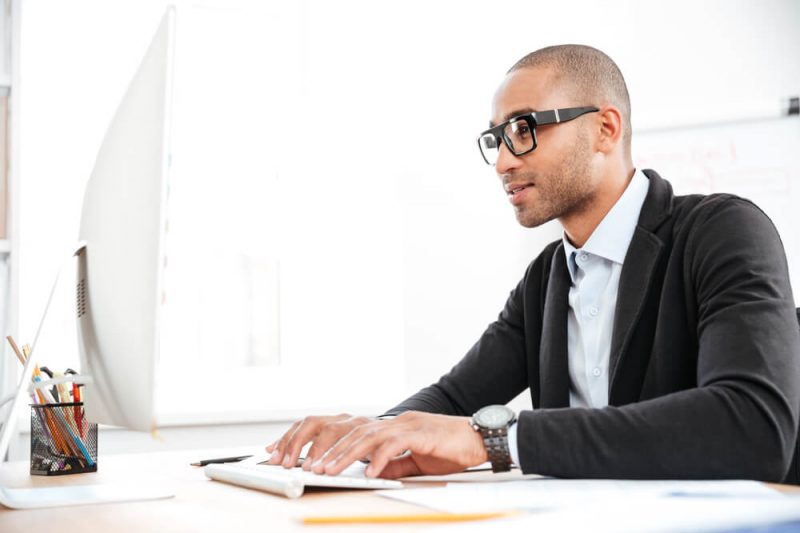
(120, 269)
(120, 265)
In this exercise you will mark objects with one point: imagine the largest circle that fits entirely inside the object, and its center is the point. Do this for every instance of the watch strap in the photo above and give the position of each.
(496, 443)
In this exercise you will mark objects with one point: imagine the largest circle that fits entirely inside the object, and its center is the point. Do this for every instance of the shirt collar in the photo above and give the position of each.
(612, 237)
(569, 251)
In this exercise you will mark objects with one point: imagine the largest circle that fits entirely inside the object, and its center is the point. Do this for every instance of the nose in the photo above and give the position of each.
(506, 160)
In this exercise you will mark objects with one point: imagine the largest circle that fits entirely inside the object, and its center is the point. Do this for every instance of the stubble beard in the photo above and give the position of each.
(564, 191)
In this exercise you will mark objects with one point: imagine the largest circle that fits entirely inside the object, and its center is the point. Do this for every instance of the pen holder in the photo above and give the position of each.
(62, 440)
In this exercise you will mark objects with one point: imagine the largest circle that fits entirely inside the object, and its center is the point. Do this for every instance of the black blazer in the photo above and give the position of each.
(705, 354)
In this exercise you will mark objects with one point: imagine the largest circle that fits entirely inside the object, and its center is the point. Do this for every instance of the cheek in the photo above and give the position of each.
(555, 144)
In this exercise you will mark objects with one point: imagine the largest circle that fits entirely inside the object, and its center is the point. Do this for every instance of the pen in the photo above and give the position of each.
(76, 398)
(205, 462)
(16, 349)
(54, 390)
(399, 518)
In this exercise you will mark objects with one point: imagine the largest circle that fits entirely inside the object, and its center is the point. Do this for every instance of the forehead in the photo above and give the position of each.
(523, 91)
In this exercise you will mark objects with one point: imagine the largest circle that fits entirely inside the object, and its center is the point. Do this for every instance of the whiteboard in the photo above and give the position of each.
(758, 160)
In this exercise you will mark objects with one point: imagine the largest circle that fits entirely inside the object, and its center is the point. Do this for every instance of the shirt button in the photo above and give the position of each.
(594, 310)
(596, 372)
(584, 257)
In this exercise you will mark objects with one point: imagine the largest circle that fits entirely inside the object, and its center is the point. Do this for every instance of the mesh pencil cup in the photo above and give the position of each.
(62, 440)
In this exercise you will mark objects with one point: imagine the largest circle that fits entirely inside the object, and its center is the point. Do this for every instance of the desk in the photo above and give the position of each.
(199, 503)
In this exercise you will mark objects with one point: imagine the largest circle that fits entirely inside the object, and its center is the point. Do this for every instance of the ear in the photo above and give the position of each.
(610, 134)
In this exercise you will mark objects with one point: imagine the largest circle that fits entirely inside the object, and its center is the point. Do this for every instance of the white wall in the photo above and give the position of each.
(464, 250)
(422, 74)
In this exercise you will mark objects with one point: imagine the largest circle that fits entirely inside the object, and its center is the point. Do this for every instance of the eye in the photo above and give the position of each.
(520, 129)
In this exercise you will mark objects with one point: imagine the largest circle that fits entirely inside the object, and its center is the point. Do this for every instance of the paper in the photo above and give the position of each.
(477, 474)
(652, 515)
(548, 493)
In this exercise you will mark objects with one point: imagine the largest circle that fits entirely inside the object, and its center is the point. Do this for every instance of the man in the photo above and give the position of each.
(658, 337)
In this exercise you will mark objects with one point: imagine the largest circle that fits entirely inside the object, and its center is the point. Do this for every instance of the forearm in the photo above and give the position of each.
(708, 433)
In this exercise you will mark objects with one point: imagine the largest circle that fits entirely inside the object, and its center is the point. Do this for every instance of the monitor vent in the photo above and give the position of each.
(81, 297)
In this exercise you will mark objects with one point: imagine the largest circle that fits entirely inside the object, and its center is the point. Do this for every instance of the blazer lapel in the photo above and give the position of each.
(553, 358)
(641, 262)
(634, 283)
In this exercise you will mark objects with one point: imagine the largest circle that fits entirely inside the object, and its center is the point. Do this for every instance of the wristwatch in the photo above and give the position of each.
(492, 422)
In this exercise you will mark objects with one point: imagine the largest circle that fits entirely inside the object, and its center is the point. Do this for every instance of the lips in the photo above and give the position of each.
(513, 189)
(517, 191)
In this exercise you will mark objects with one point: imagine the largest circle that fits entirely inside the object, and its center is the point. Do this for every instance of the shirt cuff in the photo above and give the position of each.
(512, 443)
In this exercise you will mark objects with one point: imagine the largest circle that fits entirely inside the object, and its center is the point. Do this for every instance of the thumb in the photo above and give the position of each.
(402, 467)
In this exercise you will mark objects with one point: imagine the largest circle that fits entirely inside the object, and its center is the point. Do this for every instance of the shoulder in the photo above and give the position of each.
(704, 207)
(722, 216)
(728, 237)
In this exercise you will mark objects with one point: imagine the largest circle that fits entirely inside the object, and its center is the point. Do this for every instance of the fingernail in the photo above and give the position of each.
(368, 471)
(330, 466)
(317, 463)
(286, 462)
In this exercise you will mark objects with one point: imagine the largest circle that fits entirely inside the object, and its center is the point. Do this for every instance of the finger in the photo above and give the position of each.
(319, 466)
(277, 453)
(369, 425)
(327, 437)
(361, 447)
(271, 447)
(294, 444)
(389, 449)
(307, 431)
(330, 435)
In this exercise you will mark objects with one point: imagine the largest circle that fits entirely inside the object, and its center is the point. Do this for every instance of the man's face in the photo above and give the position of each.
(555, 180)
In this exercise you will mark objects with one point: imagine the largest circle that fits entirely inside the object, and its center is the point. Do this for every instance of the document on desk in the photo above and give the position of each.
(656, 515)
(548, 493)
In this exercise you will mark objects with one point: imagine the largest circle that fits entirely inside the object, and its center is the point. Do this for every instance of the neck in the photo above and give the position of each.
(580, 225)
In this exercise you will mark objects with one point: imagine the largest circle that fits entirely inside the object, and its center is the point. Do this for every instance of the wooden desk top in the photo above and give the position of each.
(199, 503)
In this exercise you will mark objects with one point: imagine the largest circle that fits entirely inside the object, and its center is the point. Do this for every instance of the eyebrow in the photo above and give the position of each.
(512, 114)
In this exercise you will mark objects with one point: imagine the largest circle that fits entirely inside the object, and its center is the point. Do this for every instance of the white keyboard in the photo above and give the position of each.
(292, 483)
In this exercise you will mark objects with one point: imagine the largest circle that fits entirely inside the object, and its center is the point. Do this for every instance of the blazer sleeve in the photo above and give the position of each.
(741, 420)
(494, 370)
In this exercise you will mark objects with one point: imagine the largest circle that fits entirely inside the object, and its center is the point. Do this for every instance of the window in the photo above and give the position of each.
(322, 255)
(283, 286)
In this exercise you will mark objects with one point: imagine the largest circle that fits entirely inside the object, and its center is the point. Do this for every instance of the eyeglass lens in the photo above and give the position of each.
(517, 135)
(489, 147)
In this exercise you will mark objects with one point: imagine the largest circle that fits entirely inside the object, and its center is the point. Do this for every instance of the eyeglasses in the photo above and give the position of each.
(519, 133)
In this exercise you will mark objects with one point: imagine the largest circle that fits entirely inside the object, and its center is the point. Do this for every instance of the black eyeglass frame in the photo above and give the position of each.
(537, 118)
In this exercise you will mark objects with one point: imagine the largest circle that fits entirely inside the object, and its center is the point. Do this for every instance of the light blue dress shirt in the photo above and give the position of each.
(594, 270)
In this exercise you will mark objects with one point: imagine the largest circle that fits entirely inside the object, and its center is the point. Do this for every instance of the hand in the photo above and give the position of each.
(324, 431)
(439, 444)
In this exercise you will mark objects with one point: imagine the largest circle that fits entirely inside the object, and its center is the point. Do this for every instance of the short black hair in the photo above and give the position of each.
(592, 77)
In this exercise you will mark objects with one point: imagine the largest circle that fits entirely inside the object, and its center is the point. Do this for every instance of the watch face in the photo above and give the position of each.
(494, 416)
